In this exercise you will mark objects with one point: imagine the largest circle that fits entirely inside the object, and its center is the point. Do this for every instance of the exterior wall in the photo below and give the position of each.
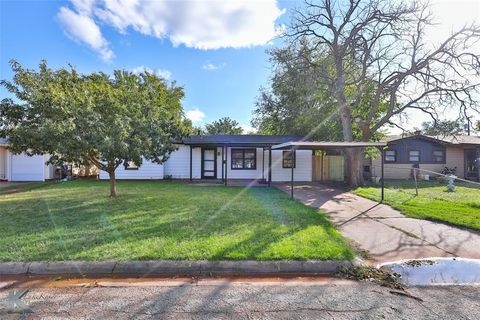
(401, 170)
(301, 172)
(26, 168)
(3, 163)
(426, 148)
(456, 158)
(247, 174)
(178, 165)
(147, 171)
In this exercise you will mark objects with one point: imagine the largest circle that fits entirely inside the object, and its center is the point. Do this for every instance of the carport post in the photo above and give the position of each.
(226, 165)
(269, 165)
(291, 182)
(190, 163)
(383, 182)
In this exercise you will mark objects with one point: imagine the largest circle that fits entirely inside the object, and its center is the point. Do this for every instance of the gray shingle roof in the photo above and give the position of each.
(3, 142)
(459, 139)
(239, 139)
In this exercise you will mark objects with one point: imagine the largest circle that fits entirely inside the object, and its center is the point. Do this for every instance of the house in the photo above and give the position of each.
(268, 158)
(244, 157)
(21, 167)
(431, 153)
(271, 158)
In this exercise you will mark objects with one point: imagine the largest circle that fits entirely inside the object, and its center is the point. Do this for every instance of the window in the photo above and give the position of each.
(366, 168)
(438, 156)
(130, 165)
(288, 160)
(244, 159)
(414, 156)
(390, 155)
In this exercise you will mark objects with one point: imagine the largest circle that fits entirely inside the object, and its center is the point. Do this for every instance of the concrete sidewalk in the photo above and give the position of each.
(384, 232)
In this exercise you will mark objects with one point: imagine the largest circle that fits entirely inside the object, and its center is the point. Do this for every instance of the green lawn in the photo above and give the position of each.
(161, 220)
(461, 208)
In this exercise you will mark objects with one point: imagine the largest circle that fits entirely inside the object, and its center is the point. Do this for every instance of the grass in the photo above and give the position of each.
(161, 220)
(459, 208)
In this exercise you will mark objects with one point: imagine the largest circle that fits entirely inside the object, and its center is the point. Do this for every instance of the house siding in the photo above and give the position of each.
(402, 170)
(456, 158)
(3, 163)
(147, 171)
(301, 172)
(404, 146)
(26, 168)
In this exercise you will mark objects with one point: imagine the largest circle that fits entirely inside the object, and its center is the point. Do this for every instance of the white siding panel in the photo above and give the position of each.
(25, 168)
(301, 172)
(3, 163)
(245, 174)
(178, 165)
(148, 171)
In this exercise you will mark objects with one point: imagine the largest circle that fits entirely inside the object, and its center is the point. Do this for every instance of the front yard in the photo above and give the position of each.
(161, 220)
(460, 208)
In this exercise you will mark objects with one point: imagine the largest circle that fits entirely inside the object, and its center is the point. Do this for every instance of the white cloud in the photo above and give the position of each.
(83, 29)
(195, 115)
(248, 128)
(211, 24)
(210, 66)
(163, 73)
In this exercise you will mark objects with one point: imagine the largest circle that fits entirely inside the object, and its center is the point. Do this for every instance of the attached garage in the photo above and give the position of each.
(25, 168)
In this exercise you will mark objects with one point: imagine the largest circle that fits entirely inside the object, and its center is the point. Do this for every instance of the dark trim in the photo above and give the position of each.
(127, 168)
(419, 156)
(294, 159)
(269, 166)
(444, 155)
(394, 156)
(214, 164)
(191, 163)
(254, 150)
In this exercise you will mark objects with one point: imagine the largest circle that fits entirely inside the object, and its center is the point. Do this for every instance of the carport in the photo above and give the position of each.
(325, 145)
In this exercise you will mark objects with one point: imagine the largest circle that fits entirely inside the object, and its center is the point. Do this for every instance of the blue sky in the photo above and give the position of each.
(221, 70)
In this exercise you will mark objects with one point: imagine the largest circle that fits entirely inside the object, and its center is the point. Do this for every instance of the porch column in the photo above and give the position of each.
(263, 164)
(383, 169)
(223, 162)
(269, 166)
(226, 165)
(190, 163)
(291, 182)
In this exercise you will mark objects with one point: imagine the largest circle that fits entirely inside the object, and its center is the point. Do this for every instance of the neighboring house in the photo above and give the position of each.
(432, 153)
(245, 157)
(20, 167)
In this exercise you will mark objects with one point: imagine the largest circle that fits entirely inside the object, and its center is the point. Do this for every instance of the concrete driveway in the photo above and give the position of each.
(385, 233)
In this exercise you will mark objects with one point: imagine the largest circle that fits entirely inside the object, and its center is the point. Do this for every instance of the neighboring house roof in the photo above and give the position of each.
(455, 140)
(238, 139)
(3, 142)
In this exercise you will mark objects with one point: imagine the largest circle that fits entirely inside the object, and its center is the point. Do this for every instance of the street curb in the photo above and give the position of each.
(172, 268)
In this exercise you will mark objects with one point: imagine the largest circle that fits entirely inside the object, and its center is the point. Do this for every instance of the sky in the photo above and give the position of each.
(215, 49)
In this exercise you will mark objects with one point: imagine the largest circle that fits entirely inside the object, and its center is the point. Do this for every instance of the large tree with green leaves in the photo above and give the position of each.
(223, 126)
(381, 49)
(100, 119)
(443, 128)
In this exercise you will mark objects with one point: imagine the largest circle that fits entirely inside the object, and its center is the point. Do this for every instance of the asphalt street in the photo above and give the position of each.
(294, 298)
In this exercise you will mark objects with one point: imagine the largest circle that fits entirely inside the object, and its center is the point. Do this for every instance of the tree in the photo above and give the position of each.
(443, 128)
(478, 126)
(223, 126)
(92, 118)
(385, 42)
(299, 102)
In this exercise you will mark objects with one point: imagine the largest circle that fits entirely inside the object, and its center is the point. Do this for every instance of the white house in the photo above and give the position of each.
(20, 167)
(225, 157)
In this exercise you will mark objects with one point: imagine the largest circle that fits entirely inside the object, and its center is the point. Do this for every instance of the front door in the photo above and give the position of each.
(209, 163)
(472, 164)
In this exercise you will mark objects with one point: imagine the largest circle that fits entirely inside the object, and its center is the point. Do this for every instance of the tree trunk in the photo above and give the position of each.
(113, 187)
(354, 157)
